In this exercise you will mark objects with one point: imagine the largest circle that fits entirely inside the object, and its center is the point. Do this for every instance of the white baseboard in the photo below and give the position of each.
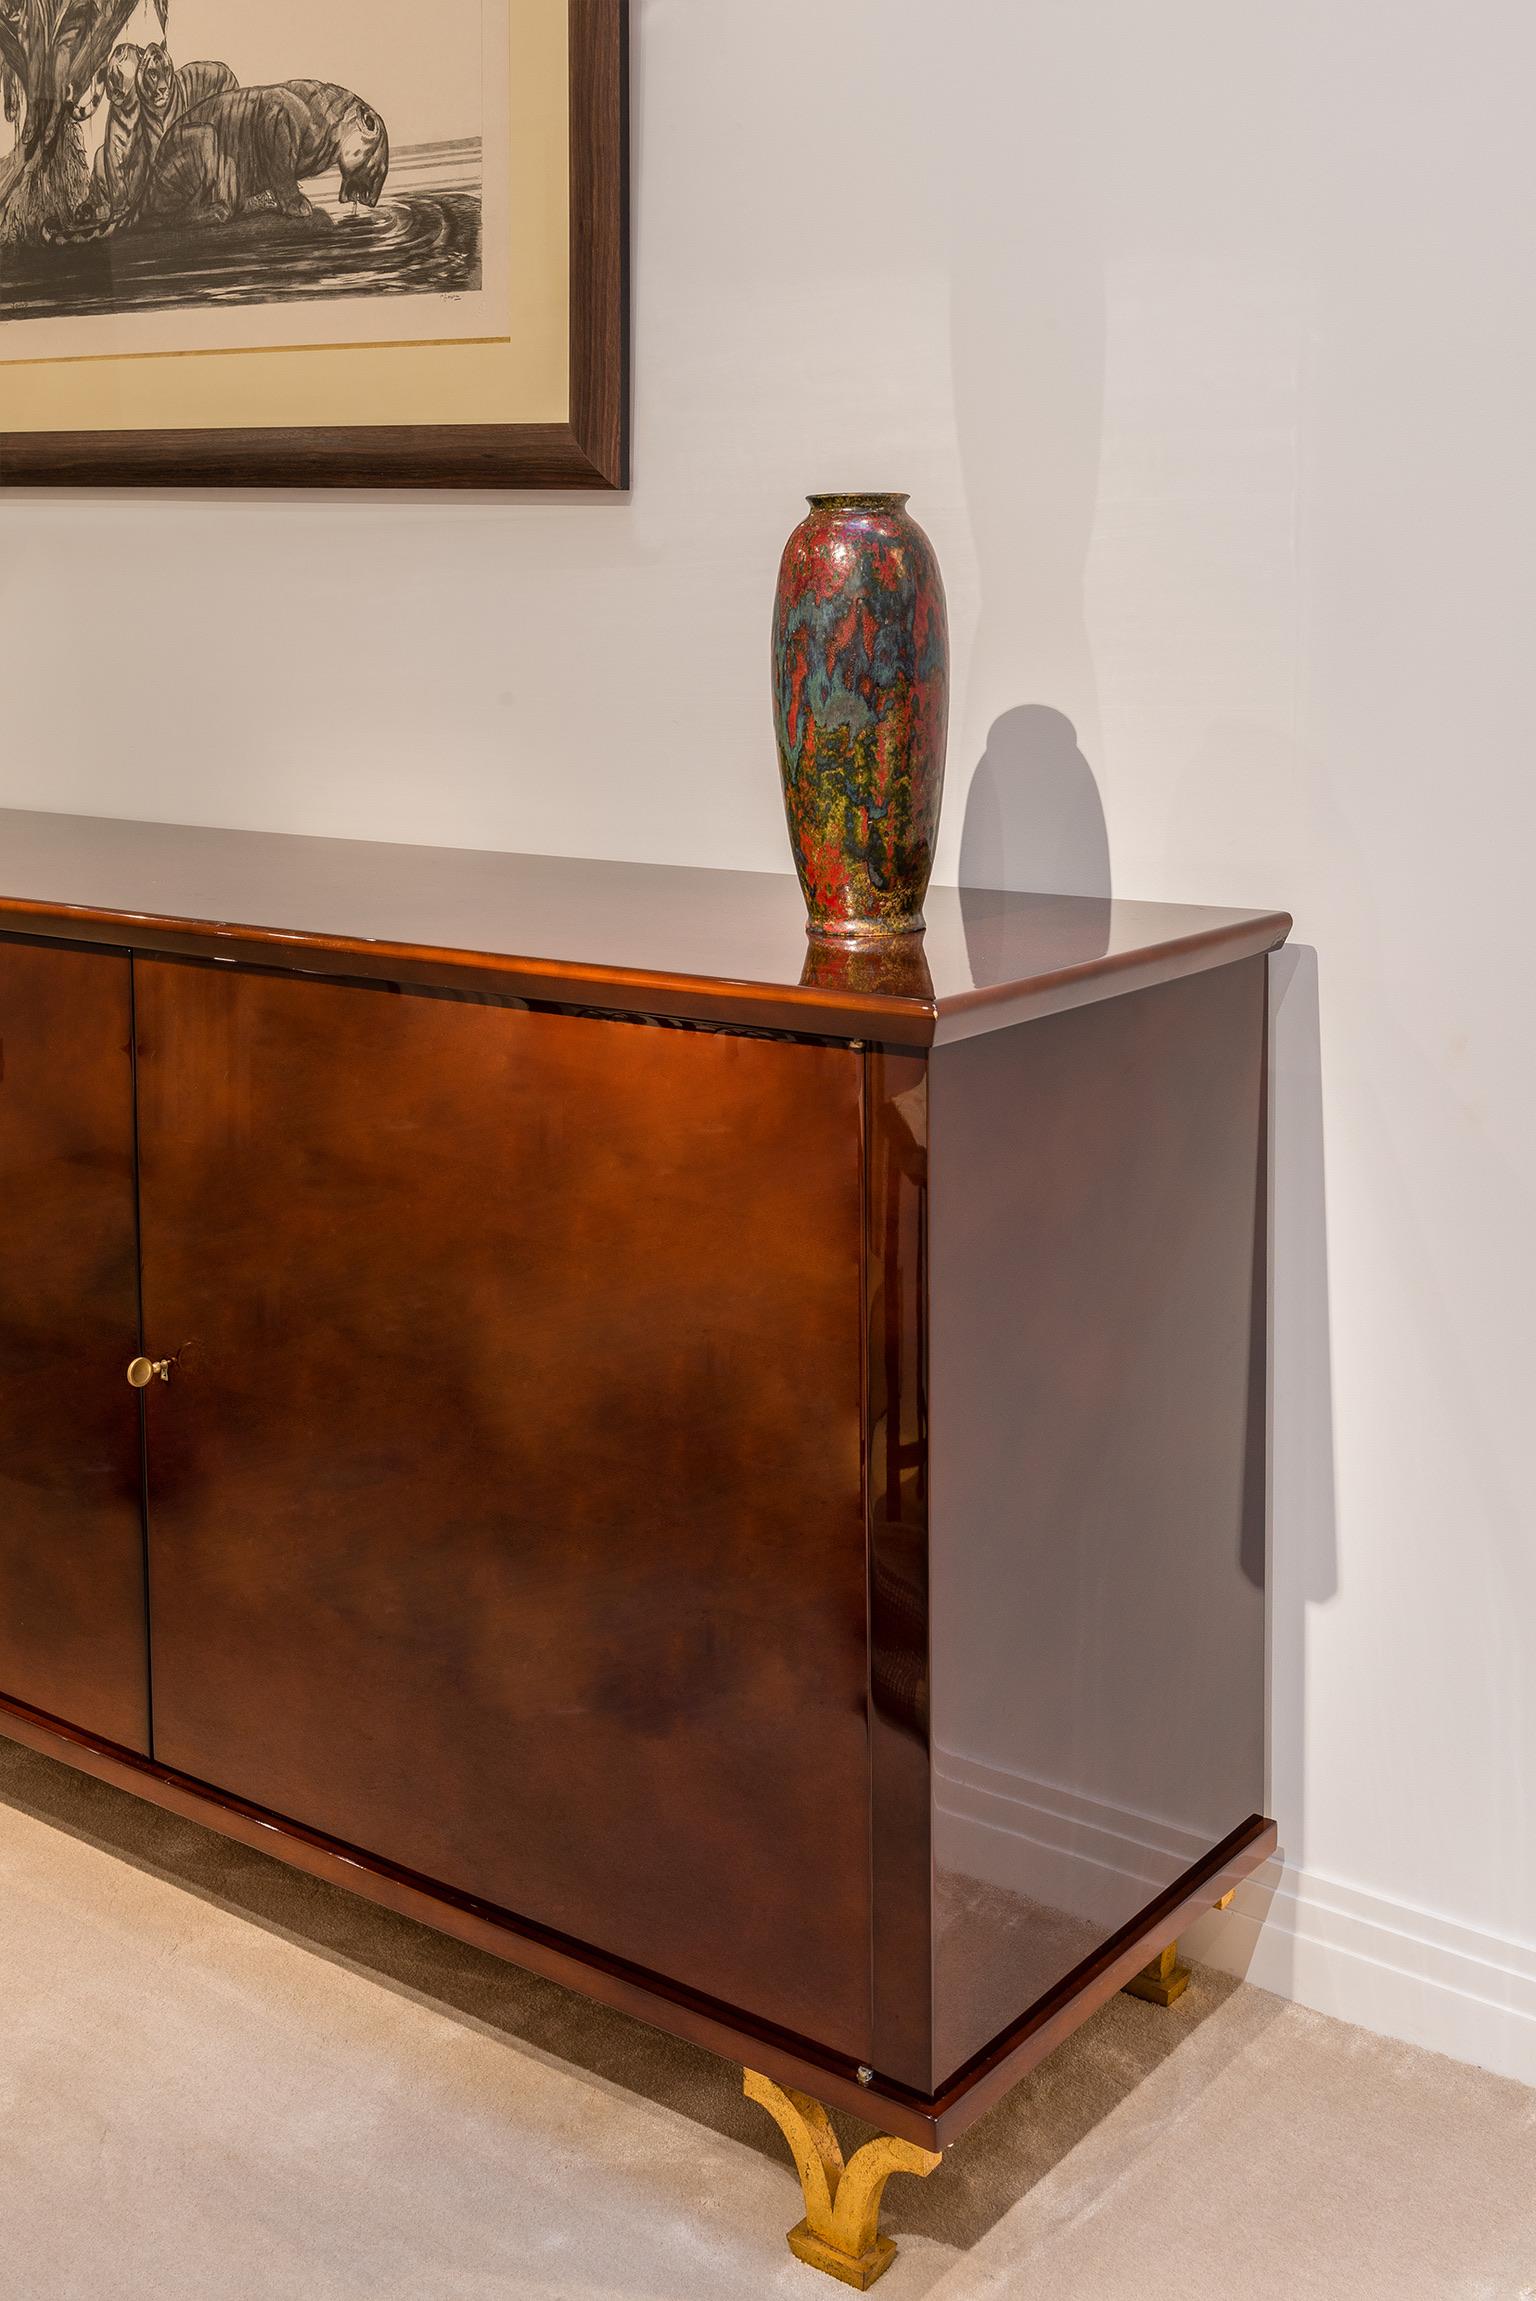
(1399, 1971)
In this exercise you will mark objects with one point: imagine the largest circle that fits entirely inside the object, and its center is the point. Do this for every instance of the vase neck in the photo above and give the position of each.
(858, 502)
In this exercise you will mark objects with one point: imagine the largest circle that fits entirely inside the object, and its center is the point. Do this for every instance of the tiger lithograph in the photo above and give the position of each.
(205, 174)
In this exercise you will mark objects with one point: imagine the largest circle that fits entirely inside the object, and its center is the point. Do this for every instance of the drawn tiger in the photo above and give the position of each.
(166, 95)
(145, 95)
(118, 78)
(121, 170)
(256, 146)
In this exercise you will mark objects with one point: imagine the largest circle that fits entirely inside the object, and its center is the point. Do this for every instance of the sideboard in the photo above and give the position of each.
(728, 1472)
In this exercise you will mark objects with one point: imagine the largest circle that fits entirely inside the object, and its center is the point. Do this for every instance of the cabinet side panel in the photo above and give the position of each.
(505, 1515)
(72, 1631)
(1097, 1511)
(896, 1473)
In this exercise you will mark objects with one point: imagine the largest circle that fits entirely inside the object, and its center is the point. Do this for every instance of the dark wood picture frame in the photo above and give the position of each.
(590, 450)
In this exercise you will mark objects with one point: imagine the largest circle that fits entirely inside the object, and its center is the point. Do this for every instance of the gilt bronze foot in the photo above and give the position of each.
(1165, 1979)
(841, 2230)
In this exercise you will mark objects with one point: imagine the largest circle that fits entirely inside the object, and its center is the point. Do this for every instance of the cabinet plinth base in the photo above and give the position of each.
(1163, 1980)
(840, 2234)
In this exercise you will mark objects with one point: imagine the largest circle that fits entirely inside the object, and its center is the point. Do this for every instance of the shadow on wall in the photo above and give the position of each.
(1034, 821)
(1303, 1545)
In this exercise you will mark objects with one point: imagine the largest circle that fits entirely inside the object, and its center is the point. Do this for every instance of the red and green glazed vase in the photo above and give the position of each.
(861, 702)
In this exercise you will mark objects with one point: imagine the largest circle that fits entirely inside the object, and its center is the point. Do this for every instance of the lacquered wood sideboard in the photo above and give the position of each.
(726, 1472)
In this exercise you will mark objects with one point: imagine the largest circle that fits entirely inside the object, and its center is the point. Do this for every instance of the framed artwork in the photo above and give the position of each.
(314, 243)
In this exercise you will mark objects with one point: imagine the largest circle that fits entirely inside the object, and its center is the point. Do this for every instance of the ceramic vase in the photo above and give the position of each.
(861, 703)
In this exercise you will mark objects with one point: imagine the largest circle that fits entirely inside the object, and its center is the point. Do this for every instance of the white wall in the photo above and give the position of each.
(1203, 336)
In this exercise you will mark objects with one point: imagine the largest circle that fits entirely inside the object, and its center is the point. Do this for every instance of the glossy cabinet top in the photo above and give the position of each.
(631, 938)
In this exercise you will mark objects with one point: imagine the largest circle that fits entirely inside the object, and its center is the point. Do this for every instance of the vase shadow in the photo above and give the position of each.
(1034, 820)
(1034, 825)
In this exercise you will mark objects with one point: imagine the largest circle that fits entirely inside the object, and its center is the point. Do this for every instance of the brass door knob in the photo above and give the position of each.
(142, 1371)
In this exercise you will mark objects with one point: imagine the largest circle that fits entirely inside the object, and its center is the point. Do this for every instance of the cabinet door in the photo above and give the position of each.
(505, 1512)
(72, 1629)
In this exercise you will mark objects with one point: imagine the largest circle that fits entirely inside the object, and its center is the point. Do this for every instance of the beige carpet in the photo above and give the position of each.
(222, 2082)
